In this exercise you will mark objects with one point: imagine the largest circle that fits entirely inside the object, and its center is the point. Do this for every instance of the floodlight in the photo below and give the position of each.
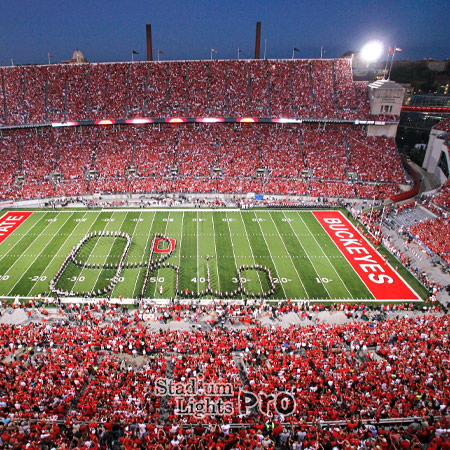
(372, 51)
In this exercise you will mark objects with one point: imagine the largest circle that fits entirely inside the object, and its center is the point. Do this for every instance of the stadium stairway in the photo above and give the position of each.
(244, 378)
(164, 405)
(410, 217)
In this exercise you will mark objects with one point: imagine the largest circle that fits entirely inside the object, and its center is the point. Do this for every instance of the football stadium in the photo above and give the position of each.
(219, 254)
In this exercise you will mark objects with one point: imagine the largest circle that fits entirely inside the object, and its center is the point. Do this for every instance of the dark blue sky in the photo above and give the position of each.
(107, 30)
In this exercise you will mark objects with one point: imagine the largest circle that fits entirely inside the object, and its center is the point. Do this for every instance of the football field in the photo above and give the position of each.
(192, 253)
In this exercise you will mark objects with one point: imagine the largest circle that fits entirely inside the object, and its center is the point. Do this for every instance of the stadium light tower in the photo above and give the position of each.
(372, 51)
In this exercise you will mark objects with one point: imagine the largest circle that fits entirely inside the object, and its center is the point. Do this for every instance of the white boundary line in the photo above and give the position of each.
(174, 209)
(270, 253)
(215, 252)
(326, 256)
(179, 250)
(134, 231)
(37, 256)
(232, 245)
(251, 249)
(287, 252)
(261, 209)
(157, 273)
(21, 223)
(198, 259)
(307, 254)
(57, 253)
(208, 301)
(23, 236)
(31, 243)
(156, 209)
(90, 253)
(359, 276)
(89, 229)
(107, 256)
(136, 294)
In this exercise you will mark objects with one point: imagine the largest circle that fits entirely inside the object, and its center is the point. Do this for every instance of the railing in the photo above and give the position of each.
(413, 191)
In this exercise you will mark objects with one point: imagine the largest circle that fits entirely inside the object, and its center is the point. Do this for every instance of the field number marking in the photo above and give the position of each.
(156, 279)
(281, 280)
(323, 280)
(75, 279)
(200, 280)
(38, 278)
(244, 280)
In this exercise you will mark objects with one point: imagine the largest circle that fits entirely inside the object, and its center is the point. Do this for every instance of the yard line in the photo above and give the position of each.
(232, 244)
(107, 256)
(313, 266)
(198, 262)
(270, 253)
(57, 253)
(282, 240)
(181, 239)
(326, 256)
(134, 231)
(88, 256)
(37, 256)
(9, 251)
(19, 256)
(157, 274)
(215, 252)
(143, 256)
(250, 247)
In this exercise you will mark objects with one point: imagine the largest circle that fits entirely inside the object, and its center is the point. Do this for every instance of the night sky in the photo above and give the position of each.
(108, 30)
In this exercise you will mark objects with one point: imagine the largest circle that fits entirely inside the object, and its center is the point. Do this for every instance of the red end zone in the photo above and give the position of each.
(11, 221)
(379, 277)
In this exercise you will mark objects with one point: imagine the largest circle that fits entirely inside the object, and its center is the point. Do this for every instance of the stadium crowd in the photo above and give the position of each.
(326, 160)
(435, 234)
(442, 196)
(90, 380)
(234, 88)
(296, 159)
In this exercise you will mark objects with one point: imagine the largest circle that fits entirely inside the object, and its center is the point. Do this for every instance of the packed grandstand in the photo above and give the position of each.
(98, 376)
(45, 161)
(92, 382)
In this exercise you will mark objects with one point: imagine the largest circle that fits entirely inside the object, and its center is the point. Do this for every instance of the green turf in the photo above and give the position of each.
(302, 258)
